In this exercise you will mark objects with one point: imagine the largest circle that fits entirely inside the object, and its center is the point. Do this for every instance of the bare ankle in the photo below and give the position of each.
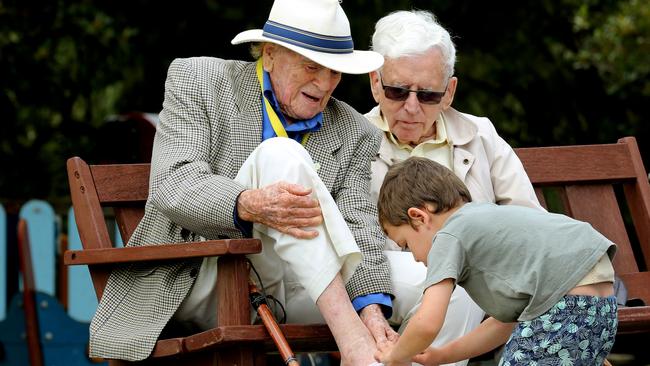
(359, 351)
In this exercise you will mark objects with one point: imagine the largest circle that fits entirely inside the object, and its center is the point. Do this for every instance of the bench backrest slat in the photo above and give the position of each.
(122, 187)
(578, 163)
(638, 198)
(597, 205)
(121, 183)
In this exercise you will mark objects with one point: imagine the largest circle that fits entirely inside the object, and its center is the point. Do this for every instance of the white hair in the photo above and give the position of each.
(409, 33)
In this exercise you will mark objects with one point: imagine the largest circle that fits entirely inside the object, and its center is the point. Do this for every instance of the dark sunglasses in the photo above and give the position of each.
(400, 94)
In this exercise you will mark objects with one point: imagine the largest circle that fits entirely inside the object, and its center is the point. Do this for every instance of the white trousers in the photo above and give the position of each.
(296, 271)
(286, 264)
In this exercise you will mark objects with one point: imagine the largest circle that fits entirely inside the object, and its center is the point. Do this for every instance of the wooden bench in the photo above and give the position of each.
(587, 179)
(603, 184)
(124, 188)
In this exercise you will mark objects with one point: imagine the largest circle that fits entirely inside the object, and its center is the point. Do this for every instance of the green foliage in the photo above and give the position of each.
(617, 44)
(65, 67)
(555, 72)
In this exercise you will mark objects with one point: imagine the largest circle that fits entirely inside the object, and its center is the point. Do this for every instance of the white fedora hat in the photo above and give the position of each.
(316, 29)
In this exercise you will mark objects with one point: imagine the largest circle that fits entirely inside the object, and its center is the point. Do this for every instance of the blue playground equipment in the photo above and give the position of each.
(37, 330)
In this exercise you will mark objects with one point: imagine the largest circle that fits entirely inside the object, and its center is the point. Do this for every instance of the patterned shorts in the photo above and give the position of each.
(578, 330)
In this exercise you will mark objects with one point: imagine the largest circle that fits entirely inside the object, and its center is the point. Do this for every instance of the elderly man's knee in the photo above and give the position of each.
(281, 147)
(283, 152)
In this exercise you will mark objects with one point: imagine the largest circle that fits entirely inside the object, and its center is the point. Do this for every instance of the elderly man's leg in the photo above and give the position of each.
(353, 339)
(319, 265)
(300, 273)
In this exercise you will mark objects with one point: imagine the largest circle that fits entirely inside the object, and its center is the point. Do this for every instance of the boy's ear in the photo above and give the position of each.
(417, 215)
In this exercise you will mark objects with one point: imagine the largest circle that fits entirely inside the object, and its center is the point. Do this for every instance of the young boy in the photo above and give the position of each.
(545, 279)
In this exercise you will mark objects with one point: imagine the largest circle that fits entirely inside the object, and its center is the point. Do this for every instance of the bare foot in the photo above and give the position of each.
(355, 343)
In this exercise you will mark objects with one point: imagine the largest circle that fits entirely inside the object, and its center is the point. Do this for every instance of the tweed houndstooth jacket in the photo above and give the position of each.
(211, 121)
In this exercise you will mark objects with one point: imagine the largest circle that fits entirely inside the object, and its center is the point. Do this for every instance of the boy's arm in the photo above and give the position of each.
(423, 327)
(490, 334)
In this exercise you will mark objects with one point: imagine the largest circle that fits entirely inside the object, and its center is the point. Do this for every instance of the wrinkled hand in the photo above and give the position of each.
(383, 355)
(430, 357)
(373, 318)
(283, 206)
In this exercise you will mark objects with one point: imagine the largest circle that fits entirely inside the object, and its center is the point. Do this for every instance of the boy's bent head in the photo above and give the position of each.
(416, 182)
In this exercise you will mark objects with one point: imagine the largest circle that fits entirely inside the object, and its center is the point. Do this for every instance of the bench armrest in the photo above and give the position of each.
(160, 252)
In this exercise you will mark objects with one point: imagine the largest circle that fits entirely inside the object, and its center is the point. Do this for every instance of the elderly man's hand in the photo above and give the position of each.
(373, 318)
(283, 206)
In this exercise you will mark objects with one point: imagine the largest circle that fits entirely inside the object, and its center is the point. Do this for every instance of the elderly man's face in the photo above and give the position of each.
(411, 121)
(301, 86)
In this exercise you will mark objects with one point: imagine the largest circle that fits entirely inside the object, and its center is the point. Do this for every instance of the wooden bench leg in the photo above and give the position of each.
(234, 307)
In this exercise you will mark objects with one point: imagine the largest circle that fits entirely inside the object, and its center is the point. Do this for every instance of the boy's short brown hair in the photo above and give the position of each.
(415, 182)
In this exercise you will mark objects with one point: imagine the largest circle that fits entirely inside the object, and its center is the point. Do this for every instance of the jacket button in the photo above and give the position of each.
(194, 272)
(465, 161)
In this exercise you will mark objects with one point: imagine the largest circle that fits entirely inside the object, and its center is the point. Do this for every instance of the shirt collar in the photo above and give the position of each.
(440, 139)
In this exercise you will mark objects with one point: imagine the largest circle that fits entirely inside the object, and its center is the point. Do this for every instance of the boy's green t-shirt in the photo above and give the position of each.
(515, 262)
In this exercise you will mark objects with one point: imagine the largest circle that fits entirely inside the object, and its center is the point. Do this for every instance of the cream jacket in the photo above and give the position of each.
(486, 164)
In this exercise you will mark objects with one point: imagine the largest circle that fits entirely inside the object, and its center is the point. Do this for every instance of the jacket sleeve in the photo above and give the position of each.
(360, 212)
(182, 185)
(509, 179)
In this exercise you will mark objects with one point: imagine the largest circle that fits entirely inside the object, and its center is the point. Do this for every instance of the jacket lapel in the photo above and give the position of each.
(248, 102)
(460, 131)
(322, 145)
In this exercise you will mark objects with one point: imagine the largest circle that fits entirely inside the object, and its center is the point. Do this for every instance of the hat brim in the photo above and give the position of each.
(357, 62)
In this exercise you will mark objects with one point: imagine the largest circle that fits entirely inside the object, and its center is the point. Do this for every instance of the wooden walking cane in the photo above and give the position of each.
(259, 303)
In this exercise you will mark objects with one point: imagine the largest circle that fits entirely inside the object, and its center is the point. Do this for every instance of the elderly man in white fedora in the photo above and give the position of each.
(260, 149)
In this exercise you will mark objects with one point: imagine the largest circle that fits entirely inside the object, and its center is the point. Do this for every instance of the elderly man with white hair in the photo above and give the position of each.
(414, 90)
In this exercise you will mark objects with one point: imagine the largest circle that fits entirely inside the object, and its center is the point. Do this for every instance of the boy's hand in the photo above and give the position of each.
(430, 357)
(383, 355)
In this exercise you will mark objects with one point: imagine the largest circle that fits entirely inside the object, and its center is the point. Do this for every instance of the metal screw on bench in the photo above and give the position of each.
(259, 304)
